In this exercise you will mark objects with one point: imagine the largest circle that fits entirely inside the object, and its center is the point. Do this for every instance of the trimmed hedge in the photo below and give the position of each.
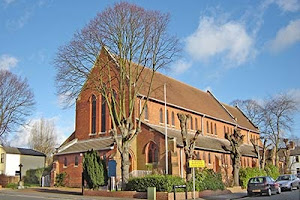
(207, 179)
(247, 173)
(163, 183)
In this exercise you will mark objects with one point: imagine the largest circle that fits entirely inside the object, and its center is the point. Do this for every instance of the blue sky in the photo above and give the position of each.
(237, 49)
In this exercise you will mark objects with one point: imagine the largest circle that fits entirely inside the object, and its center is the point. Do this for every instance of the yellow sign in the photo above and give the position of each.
(196, 163)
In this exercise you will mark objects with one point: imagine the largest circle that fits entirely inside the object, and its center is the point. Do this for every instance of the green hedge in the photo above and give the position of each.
(33, 176)
(247, 173)
(207, 179)
(163, 183)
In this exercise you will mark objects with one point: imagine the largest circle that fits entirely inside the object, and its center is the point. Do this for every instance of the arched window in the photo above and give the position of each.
(215, 128)
(173, 119)
(192, 127)
(211, 128)
(196, 124)
(161, 119)
(103, 114)
(146, 113)
(168, 117)
(207, 126)
(76, 161)
(65, 162)
(204, 157)
(152, 153)
(94, 108)
(209, 159)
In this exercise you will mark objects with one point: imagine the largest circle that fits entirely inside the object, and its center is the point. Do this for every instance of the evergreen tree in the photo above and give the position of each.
(94, 170)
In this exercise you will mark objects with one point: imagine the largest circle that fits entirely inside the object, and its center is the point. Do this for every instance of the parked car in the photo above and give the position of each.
(262, 185)
(288, 181)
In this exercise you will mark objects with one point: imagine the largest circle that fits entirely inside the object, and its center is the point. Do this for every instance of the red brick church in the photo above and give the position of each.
(147, 152)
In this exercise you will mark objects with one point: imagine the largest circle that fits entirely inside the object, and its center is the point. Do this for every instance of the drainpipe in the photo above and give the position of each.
(181, 163)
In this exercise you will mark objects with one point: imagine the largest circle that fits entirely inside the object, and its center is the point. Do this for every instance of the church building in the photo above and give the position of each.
(148, 151)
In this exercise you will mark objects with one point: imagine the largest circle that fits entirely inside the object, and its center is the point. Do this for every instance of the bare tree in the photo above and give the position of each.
(251, 109)
(16, 102)
(188, 141)
(236, 140)
(134, 38)
(278, 119)
(43, 138)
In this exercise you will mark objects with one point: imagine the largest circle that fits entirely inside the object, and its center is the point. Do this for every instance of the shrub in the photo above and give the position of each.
(60, 179)
(207, 179)
(94, 170)
(247, 173)
(33, 176)
(12, 185)
(272, 171)
(163, 183)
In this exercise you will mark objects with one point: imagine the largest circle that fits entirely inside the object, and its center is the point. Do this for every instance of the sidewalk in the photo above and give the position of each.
(237, 193)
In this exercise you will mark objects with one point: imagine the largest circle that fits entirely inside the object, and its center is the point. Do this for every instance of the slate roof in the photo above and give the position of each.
(295, 152)
(80, 146)
(203, 142)
(241, 119)
(22, 151)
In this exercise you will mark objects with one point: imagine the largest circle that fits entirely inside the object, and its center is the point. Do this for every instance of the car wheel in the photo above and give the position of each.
(279, 190)
(250, 194)
(269, 192)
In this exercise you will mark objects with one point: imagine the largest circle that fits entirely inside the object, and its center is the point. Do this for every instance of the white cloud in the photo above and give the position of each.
(181, 66)
(15, 24)
(286, 36)
(288, 5)
(8, 1)
(295, 94)
(216, 38)
(7, 62)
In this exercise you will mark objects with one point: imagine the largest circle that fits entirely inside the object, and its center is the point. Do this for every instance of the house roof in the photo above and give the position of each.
(80, 146)
(241, 119)
(22, 151)
(203, 142)
(295, 151)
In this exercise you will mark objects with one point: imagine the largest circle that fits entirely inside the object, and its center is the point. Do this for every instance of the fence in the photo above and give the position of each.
(4, 180)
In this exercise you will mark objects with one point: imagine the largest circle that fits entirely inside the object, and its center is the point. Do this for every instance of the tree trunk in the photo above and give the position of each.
(188, 169)
(236, 170)
(125, 164)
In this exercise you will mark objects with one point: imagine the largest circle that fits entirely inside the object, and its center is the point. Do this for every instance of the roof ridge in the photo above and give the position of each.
(246, 116)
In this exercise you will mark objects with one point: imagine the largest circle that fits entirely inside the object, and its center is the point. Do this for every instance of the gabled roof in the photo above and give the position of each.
(81, 146)
(241, 118)
(22, 151)
(203, 142)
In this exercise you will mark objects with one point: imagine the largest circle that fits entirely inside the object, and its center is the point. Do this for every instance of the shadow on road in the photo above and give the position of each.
(57, 191)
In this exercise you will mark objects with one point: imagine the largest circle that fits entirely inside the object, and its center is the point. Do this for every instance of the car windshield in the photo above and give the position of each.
(256, 180)
(284, 178)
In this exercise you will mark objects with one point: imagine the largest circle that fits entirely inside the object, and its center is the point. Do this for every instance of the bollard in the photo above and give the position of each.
(151, 193)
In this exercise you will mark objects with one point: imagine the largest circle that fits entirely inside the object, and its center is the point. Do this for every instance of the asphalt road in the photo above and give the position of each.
(34, 195)
(285, 195)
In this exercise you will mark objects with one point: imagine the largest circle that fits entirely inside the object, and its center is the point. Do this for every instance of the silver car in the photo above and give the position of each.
(288, 181)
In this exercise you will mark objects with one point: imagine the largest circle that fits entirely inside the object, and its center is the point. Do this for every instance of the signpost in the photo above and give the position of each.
(195, 164)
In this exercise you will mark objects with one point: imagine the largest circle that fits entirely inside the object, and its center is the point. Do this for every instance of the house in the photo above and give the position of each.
(12, 157)
(208, 114)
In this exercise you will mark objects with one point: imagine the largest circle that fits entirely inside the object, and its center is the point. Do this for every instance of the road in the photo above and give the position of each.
(285, 195)
(27, 194)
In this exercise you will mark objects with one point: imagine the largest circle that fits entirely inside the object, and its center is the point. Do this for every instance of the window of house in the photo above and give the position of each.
(76, 161)
(204, 157)
(173, 119)
(65, 162)
(209, 159)
(207, 126)
(152, 153)
(161, 119)
(192, 127)
(2, 157)
(215, 128)
(211, 128)
(146, 113)
(227, 129)
(103, 114)
(196, 124)
(94, 108)
(168, 117)
(297, 158)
